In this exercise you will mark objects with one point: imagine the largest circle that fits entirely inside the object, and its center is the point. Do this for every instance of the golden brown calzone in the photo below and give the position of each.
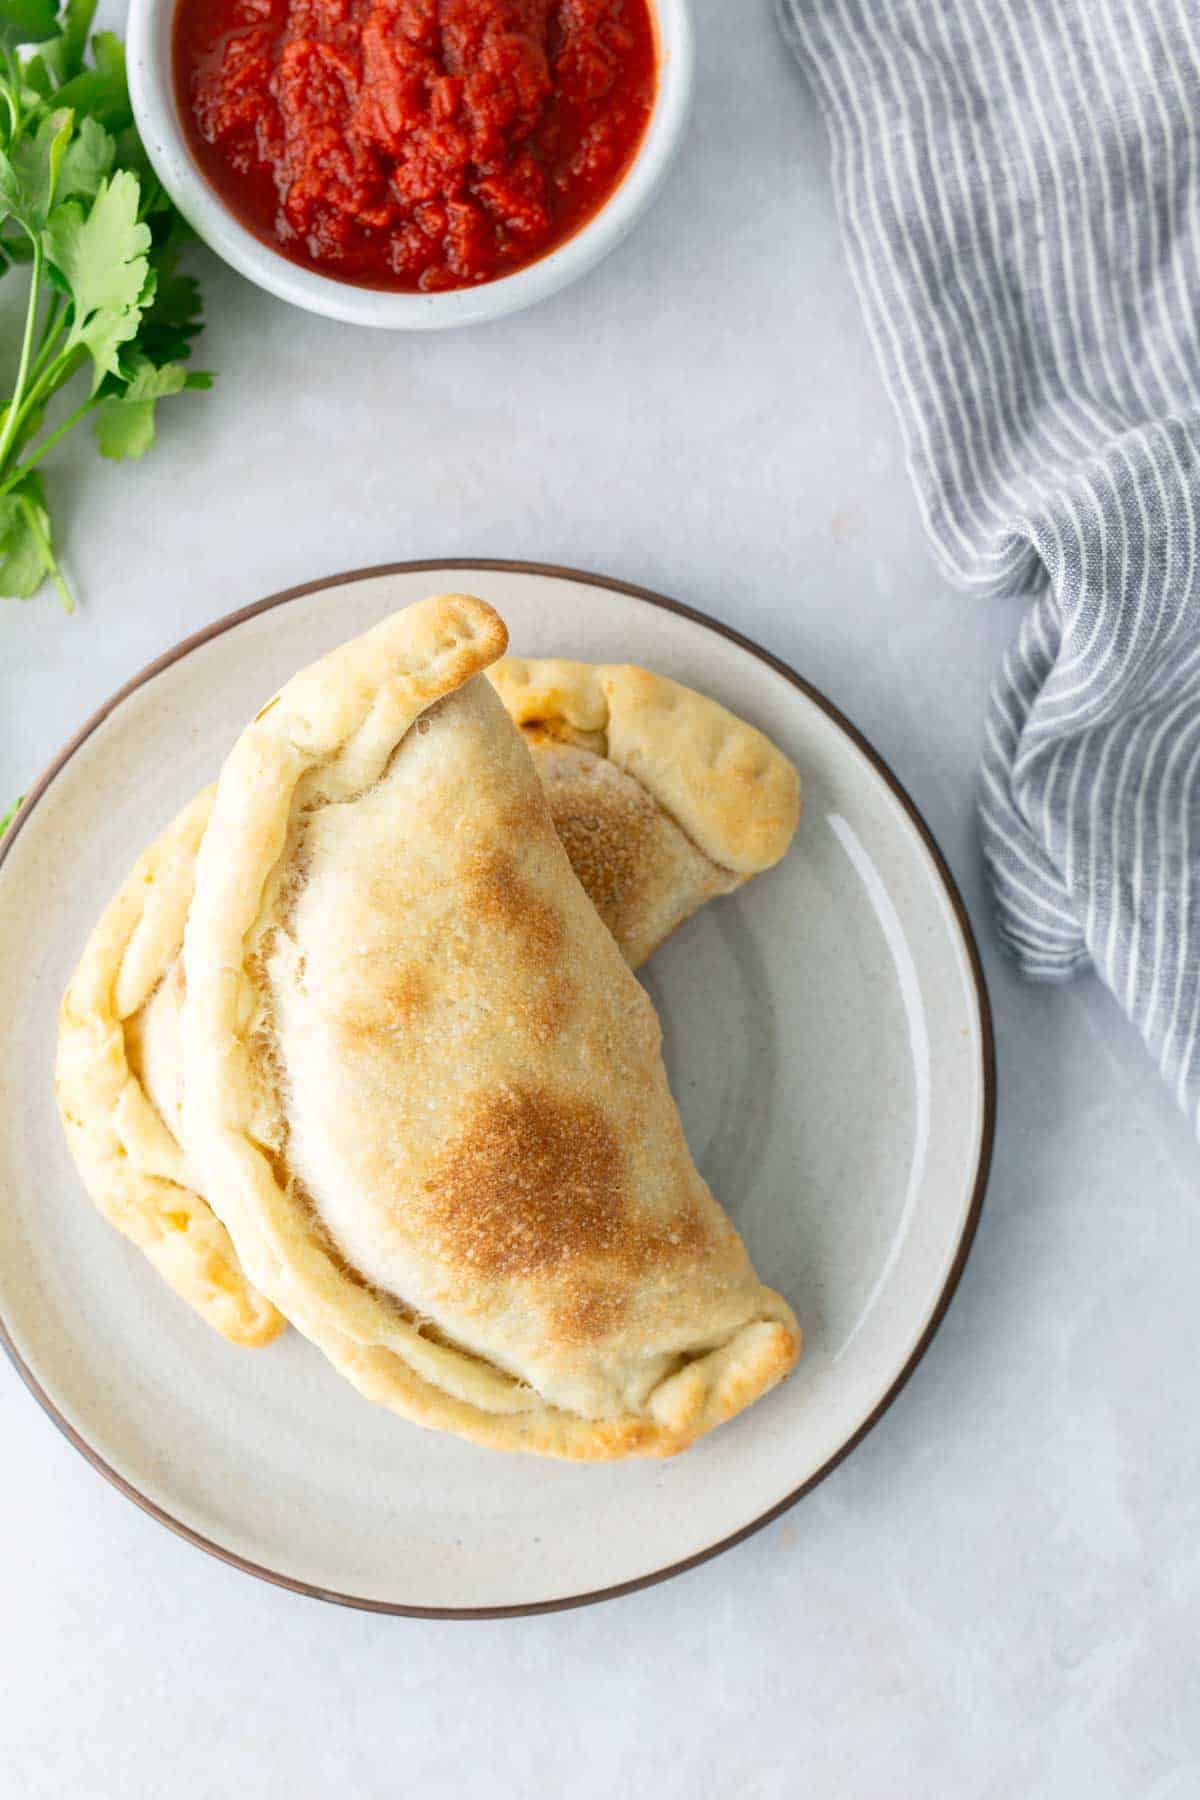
(423, 1089)
(119, 1077)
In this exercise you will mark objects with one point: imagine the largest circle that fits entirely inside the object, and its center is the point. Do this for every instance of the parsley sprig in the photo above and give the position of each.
(82, 211)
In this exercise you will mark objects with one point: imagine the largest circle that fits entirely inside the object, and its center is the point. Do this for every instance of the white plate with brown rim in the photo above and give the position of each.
(828, 1040)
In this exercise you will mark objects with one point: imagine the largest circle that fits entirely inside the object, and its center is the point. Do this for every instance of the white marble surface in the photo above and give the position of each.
(999, 1593)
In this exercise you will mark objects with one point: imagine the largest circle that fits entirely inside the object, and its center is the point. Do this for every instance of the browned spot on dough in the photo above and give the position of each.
(537, 730)
(609, 827)
(406, 993)
(496, 891)
(537, 1186)
(392, 1007)
(538, 733)
(547, 1011)
(524, 818)
(608, 842)
(587, 1312)
(533, 1183)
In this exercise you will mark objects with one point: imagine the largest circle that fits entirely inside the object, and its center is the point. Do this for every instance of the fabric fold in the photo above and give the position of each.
(1019, 188)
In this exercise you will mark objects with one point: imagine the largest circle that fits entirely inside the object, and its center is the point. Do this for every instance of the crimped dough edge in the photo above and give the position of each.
(726, 785)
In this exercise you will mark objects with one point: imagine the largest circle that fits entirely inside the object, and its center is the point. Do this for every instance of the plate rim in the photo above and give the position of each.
(561, 572)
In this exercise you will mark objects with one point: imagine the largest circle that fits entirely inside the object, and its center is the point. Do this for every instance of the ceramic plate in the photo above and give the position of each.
(827, 1039)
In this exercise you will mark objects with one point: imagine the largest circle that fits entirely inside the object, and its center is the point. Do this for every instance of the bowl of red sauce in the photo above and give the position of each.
(411, 163)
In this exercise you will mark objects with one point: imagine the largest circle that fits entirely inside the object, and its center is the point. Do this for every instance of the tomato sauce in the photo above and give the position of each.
(415, 144)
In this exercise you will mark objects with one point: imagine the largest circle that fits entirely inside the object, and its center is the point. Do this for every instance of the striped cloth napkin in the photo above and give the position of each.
(1019, 188)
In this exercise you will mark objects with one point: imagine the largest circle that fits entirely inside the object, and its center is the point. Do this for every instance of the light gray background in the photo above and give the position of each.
(999, 1594)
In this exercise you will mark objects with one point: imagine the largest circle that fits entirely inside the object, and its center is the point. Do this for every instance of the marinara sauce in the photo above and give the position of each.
(414, 144)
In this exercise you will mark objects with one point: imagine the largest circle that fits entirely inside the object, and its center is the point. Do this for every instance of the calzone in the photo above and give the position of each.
(422, 1088)
(638, 771)
(662, 798)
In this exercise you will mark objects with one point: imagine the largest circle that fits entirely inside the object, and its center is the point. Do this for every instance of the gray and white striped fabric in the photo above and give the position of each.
(1019, 186)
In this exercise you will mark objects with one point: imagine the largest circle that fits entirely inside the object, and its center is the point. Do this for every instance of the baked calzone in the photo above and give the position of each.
(662, 798)
(424, 1091)
(639, 772)
(119, 1101)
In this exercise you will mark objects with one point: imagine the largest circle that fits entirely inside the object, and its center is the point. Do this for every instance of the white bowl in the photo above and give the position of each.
(152, 90)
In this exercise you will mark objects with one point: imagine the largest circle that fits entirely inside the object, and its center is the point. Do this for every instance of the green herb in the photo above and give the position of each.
(10, 815)
(82, 212)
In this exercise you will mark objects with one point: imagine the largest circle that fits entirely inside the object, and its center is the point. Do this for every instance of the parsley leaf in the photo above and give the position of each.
(124, 425)
(102, 255)
(29, 174)
(175, 313)
(35, 72)
(26, 552)
(83, 213)
(87, 160)
(64, 57)
(27, 22)
(125, 428)
(11, 814)
(103, 90)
